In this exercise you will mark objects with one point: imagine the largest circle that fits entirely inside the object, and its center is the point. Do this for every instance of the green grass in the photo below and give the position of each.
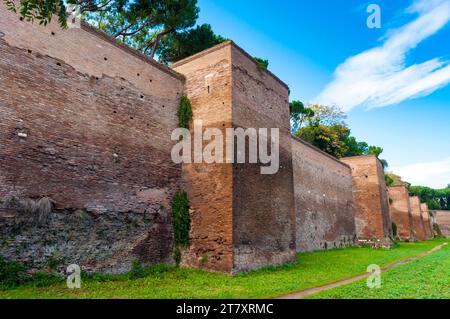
(425, 278)
(311, 270)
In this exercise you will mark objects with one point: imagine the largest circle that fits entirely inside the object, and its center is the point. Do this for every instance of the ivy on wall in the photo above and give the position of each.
(184, 112)
(181, 219)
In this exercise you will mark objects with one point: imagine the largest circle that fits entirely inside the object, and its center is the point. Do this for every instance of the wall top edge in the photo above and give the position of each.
(104, 36)
(297, 139)
(221, 46)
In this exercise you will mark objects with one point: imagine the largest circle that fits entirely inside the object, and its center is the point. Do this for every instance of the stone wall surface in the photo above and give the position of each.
(400, 210)
(418, 224)
(86, 124)
(372, 218)
(426, 220)
(324, 203)
(442, 219)
(241, 219)
(210, 186)
(263, 204)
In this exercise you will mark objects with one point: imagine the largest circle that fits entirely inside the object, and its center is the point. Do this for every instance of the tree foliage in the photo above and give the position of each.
(141, 24)
(437, 199)
(299, 114)
(262, 64)
(325, 128)
(178, 46)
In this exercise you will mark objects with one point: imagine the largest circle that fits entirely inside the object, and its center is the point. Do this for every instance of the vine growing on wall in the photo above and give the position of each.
(181, 222)
(184, 112)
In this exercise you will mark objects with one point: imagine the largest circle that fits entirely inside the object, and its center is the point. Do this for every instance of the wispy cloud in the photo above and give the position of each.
(432, 174)
(380, 77)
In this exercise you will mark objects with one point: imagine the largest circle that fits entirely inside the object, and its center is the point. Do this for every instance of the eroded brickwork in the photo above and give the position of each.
(372, 219)
(400, 210)
(210, 186)
(263, 205)
(426, 220)
(324, 203)
(87, 124)
(442, 218)
(418, 224)
(241, 220)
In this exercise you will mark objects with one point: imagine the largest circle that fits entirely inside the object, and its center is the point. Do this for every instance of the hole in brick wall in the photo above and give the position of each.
(106, 59)
(21, 18)
(121, 88)
(131, 118)
(142, 96)
(138, 74)
(53, 33)
(96, 78)
(29, 51)
(115, 112)
(58, 64)
(209, 89)
(151, 80)
(164, 106)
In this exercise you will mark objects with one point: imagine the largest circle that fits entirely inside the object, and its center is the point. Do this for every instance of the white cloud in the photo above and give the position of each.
(432, 174)
(380, 77)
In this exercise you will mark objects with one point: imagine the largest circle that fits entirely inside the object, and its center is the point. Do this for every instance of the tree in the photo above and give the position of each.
(327, 130)
(141, 24)
(299, 114)
(435, 198)
(178, 46)
(43, 10)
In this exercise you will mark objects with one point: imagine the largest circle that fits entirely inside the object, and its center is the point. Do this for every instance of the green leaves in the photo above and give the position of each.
(181, 218)
(184, 112)
(262, 64)
(180, 45)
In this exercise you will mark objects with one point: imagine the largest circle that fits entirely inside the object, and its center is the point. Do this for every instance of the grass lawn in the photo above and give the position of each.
(311, 270)
(428, 277)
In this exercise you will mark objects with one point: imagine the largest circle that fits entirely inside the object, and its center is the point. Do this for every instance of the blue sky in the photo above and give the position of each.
(393, 82)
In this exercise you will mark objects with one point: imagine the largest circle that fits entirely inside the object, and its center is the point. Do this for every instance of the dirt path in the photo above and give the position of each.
(312, 291)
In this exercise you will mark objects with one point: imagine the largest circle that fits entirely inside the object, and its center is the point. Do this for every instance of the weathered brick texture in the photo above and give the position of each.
(87, 124)
(241, 219)
(372, 219)
(324, 203)
(400, 210)
(442, 219)
(426, 220)
(418, 224)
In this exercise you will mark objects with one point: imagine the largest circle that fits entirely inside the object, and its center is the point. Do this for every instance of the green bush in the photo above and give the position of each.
(177, 256)
(262, 64)
(137, 271)
(184, 112)
(12, 273)
(181, 218)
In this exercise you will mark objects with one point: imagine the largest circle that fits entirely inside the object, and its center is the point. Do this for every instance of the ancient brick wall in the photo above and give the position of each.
(324, 203)
(210, 186)
(241, 219)
(418, 224)
(400, 210)
(442, 218)
(263, 205)
(372, 219)
(86, 123)
(426, 220)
